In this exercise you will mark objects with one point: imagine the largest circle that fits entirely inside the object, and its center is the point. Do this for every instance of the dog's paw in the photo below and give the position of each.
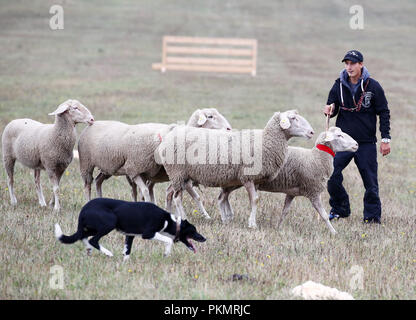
(105, 251)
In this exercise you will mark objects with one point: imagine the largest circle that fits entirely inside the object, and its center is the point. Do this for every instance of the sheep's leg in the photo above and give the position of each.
(133, 189)
(10, 183)
(55, 178)
(196, 197)
(317, 204)
(252, 194)
(9, 165)
(87, 191)
(150, 186)
(177, 199)
(169, 197)
(285, 211)
(87, 177)
(221, 205)
(39, 191)
(99, 182)
(226, 210)
(143, 188)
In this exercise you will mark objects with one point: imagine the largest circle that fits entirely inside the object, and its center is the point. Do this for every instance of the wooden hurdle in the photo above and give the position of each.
(208, 55)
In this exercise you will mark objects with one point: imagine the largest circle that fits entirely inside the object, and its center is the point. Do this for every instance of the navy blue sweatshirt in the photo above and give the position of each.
(360, 125)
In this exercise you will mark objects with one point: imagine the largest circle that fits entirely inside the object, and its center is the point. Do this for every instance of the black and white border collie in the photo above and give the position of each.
(100, 216)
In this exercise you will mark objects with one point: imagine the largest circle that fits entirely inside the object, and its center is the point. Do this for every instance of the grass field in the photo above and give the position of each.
(103, 58)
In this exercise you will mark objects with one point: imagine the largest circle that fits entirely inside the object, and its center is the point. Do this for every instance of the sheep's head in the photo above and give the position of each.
(337, 140)
(294, 125)
(75, 110)
(209, 118)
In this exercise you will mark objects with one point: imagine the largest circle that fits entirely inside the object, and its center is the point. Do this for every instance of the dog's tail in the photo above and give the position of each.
(66, 239)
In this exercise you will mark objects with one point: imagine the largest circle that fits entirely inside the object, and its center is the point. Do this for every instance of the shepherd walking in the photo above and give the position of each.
(358, 100)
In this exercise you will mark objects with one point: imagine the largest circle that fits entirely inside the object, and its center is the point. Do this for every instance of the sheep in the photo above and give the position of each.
(120, 149)
(315, 291)
(43, 146)
(306, 171)
(227, 168)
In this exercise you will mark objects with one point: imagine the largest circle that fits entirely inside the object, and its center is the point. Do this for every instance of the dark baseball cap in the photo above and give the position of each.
(354, 56)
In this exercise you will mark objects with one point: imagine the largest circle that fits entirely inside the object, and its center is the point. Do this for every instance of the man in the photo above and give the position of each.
(358, 99)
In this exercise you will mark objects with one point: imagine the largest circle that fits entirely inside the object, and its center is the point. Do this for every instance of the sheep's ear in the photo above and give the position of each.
(292, 114)
(62, 108)
(329, 136)
(201, 119)
(284, 122)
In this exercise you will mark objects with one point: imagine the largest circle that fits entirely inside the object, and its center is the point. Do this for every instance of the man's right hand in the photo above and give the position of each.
(327, 109)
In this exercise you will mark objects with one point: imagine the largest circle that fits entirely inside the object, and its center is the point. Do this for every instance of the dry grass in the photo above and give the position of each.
(103, 58)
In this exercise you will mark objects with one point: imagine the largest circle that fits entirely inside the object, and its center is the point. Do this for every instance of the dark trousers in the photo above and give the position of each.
(366, 160)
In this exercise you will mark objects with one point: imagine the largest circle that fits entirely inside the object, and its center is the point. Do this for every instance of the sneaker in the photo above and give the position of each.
(333, 215)
(372, 220)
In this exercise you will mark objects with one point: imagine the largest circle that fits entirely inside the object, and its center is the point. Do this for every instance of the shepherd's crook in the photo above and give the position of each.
(328, 117)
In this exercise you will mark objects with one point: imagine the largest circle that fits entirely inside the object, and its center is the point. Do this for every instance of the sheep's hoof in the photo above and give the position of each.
(252, 225)
(227, 220)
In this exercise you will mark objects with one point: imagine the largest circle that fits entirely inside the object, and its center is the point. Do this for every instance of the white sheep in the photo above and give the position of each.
(221, 160)
(306, 171)
(315, 291)
(43, 146)
(116, 148)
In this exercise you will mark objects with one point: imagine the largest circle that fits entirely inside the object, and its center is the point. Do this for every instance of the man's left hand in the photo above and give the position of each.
(384, 148)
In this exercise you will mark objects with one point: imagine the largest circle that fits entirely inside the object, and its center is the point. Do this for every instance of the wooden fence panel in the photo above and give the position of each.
(208, 55)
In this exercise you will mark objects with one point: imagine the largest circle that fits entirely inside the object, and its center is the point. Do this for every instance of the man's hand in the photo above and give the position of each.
(384, 148)
(328, 107)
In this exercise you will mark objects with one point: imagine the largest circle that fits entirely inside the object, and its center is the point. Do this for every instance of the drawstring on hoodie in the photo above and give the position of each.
(357, 105)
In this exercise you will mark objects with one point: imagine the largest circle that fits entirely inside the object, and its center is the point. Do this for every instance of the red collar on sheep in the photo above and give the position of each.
(326, 149)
